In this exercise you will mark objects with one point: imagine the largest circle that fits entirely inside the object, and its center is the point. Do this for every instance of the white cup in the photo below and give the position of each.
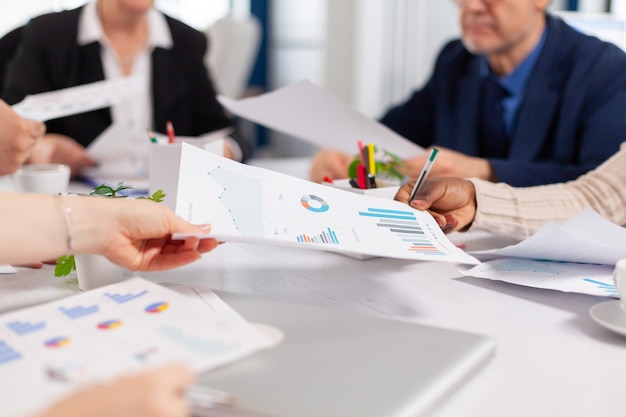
(619, 278)
(42, 179)
(95, 271)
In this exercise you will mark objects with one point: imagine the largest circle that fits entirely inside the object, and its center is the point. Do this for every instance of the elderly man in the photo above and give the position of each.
(522, 98)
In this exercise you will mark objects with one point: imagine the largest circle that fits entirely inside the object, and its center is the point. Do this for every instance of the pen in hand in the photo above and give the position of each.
(427, 167)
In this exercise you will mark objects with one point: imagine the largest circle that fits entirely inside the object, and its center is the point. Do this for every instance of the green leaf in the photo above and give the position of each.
(65, 265)
(158, 196)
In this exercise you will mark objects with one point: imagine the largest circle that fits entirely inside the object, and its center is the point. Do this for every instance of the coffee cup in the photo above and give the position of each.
(619, 278)
(42, 179)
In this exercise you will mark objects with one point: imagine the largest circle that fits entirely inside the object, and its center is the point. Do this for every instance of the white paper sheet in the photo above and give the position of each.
(561, 276)
(312, 114)
(53, 349)
(250, 204)
(7, 269)
(80, 99)
(586, 238)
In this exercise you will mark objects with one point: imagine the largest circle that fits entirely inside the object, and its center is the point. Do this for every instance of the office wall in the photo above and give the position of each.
(388, 51)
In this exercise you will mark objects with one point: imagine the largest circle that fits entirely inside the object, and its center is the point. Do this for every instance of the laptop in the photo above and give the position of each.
(335, 363)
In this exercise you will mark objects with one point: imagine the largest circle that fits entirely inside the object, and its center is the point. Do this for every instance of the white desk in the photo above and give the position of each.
(551, 358)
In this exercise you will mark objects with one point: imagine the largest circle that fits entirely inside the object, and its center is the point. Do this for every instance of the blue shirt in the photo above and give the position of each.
(514, 83)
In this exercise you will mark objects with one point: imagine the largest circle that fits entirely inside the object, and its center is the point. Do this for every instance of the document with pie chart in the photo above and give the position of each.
(251, 204)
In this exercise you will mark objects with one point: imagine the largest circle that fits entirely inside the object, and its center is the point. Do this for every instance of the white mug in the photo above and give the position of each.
(95, 271)
(42, 179)
(619, 278)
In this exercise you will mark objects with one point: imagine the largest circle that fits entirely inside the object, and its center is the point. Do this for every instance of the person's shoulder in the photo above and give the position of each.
(571, 41)
(182, 32)
(54, 26)
(62, 19)
(454, 54)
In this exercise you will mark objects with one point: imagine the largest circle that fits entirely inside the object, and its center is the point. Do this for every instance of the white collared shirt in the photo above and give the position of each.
(136, 113)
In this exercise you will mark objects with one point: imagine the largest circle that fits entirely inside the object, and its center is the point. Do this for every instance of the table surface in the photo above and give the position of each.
(551, 358)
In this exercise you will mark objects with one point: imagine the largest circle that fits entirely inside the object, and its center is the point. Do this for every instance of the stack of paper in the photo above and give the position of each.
(577, 256)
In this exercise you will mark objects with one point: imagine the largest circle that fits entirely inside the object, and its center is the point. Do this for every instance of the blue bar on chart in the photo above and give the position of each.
(22, 328)
(79, 311)
(7, 353)
(124, 298)
(404, 225)
(609, 288)
(327, 236)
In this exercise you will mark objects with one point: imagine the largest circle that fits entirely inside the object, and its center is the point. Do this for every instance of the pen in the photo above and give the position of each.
(170, 131)
(371, 175)
(427, 166)
(151, 136)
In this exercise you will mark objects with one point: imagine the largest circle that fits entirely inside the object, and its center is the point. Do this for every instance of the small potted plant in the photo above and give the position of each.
(95, 270)
(389, 170)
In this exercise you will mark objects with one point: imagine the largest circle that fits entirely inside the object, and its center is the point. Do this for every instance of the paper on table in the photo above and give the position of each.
(312, 114)
(124, 155)
(251, 204)
(7, 269)
(562, 276)
(587, 238)
(74, 100)
(100, 334)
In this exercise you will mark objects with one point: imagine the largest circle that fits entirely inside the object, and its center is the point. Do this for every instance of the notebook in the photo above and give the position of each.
(335, 363)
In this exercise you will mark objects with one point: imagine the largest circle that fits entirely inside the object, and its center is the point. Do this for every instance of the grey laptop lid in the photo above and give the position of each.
(334, 363)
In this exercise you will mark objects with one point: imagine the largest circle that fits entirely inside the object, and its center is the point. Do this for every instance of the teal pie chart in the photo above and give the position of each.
(314, 203)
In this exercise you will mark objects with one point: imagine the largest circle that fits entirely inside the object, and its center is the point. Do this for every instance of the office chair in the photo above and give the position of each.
(233, 47)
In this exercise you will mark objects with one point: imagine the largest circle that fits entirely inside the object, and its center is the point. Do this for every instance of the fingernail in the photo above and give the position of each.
(204, 227)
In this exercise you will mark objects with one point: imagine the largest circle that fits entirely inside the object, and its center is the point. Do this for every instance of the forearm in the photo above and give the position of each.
(40, 227)
(520, 212)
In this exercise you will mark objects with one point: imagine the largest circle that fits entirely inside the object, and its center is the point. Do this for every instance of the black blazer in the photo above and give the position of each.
(571, 119)
(49, 58)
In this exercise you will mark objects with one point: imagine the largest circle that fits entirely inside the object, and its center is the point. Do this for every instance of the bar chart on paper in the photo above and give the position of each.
(250, 204)
(404, 226)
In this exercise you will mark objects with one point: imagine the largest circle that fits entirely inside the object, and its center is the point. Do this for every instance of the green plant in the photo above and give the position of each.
(66, 264)
(391, 167)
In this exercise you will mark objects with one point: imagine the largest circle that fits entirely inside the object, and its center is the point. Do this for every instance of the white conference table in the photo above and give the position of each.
(551, 358)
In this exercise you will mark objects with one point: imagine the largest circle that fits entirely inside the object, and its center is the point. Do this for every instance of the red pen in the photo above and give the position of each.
(170, 131)
(361, 178)
(328, 179)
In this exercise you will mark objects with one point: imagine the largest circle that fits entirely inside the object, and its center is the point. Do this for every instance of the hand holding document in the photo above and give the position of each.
(309, 113)
(250, 204)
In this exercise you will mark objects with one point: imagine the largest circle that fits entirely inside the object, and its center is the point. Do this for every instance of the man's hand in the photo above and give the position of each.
(453, 164)
(60, 149)
(329, 163)
(18, 136)
(451, 201)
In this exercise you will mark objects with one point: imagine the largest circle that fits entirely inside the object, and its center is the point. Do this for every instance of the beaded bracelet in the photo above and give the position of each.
(67, 217)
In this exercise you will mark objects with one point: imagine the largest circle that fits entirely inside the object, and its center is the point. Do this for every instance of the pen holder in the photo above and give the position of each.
(386, 189)
(164, 171)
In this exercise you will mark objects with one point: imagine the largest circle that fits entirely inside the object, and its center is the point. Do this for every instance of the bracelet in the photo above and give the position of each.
(67, 218)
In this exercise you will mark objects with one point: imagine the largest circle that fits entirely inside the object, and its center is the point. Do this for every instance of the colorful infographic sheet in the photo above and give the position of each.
(48, 351)
(245, 203)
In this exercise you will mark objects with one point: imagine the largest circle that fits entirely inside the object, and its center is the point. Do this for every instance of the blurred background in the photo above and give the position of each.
(369, 53)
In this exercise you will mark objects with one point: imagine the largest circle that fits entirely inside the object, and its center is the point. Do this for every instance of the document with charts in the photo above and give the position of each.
(251, 204)
(51, 350)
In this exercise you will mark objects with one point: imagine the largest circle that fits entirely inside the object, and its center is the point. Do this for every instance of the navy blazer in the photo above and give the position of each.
(571, 119)
(49, 58)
